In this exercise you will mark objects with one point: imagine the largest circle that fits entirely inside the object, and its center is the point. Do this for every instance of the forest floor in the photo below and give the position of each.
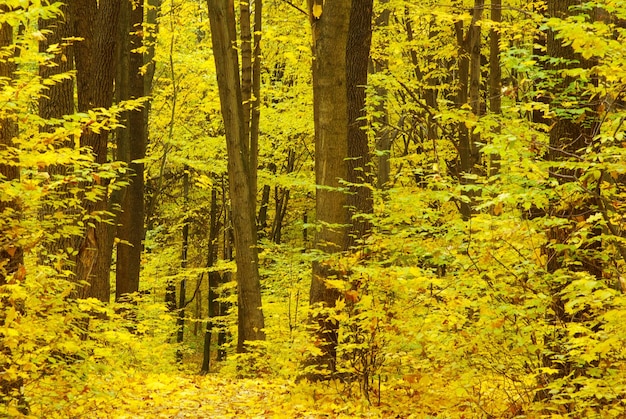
(136, 395)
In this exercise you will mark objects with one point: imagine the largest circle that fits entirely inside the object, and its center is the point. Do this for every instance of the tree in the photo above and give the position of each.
(131, 221)
(58, 100)
(242, 195)
(11, 251)
(96, 23)
(341, 35)
(572, 131)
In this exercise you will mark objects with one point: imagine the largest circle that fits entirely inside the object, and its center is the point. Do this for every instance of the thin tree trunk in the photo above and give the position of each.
(469, 45)
(256, 93)
(383, 134)
(180, 323)
(214, 278)
(495, 75)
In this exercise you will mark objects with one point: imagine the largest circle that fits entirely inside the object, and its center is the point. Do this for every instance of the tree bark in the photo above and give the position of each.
(11, 251)
(569, 138)
(341, 43)
(131, 228)
(359, 177)
(495, 76)
(468, 88)
(330, 108)
(250, 320)
(58, 100)
(96, 23)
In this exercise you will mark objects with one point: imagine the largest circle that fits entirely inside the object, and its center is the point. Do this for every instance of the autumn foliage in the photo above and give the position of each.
(490, 281)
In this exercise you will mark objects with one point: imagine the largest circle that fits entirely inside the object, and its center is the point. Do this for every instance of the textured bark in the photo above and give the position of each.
(568, 139)
(255, 104)
(495, 75)
(131, 228)
(359, 177)
(341, 46)
(250, 320)
(468, 92)
(96, 23)
(11, 252)
(383, 134)
(568, 136)
(58, 100)
(330, 106)
(246, 63)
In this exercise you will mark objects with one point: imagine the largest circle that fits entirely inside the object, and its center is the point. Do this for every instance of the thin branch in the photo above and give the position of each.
(295, 7)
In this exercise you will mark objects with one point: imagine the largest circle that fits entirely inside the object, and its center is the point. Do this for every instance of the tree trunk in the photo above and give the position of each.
(250, 320)
(131, 227)
(569, 138)
(330, 23)
(495, 76)
(341, 42)
(468, 87)
(383, 134)
(11, 251)
(214, 279)
(182, 295)
(58, 100)
(255, 104)
(96, 23)
(359, 200)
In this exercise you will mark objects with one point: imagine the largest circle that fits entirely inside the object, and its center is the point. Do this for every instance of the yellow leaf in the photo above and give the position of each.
(317, 11)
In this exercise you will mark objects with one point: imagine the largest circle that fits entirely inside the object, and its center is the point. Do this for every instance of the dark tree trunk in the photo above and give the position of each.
(330, 108)
(359, 177)
(58, 100)
(468, 92)
(180, 323)
(96, 23)
(569, 138)
(495, 76)
(11, 251)
(131, 227)
(383, 134)
(214, 279)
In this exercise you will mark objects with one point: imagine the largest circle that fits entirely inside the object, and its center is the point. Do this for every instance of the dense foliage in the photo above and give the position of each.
(489, 290)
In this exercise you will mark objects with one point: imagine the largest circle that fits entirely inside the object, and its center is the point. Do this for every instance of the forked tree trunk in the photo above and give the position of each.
(250, 315)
